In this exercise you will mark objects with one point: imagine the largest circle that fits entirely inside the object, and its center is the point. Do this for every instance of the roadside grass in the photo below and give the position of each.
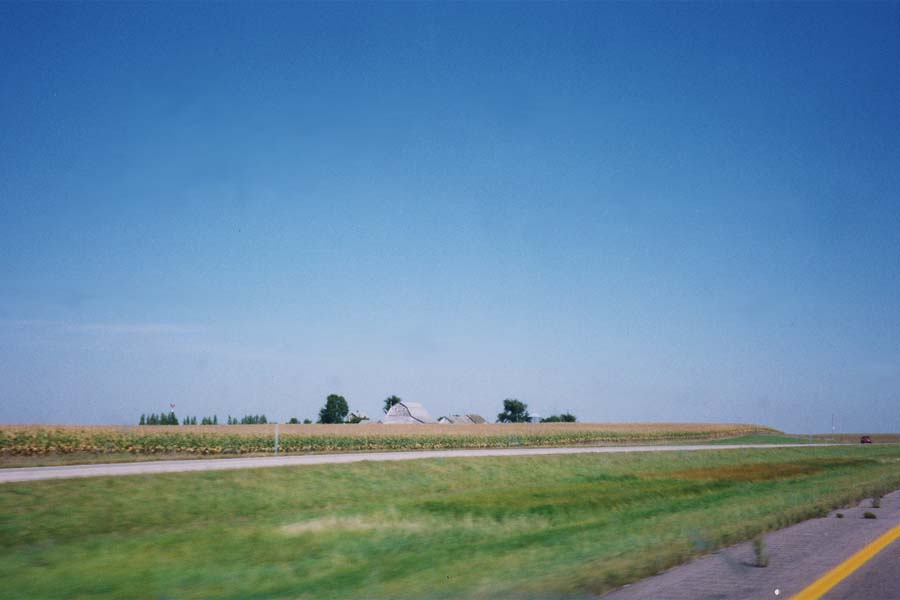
(513, 527)
(93, 458)
(764, 438)
(86, 458)
(853, 438)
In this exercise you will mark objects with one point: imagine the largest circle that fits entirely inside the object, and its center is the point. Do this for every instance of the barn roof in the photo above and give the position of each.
(407, 412)
(464, 419)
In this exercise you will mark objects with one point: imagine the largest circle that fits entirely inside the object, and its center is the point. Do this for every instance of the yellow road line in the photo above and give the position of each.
(833, 577)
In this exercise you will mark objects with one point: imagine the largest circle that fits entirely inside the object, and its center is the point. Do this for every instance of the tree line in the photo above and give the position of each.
(337, 410)
(213, 420)
(516, 411)
(171, 419)
(160, 419)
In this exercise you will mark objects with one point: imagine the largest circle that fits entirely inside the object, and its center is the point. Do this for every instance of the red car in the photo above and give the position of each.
(866, 439)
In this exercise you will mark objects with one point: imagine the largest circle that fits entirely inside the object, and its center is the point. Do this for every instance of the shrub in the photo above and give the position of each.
(869, 515)
(759, 552)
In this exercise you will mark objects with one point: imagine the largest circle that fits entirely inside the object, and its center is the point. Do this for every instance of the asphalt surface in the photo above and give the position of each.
(798, 556)
(878, 579)
(221, 464)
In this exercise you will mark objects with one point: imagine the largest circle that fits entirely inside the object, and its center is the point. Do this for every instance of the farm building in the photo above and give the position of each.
(407, 412)
(462, 419)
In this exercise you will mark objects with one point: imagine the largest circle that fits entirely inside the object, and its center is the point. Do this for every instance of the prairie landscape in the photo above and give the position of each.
(523, 527)
(655, 241)
(39, 444)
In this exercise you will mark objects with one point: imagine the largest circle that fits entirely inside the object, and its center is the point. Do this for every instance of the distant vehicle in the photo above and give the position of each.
(866, 439)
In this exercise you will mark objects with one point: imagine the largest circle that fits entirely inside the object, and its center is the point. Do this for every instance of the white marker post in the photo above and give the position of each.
(276, 439)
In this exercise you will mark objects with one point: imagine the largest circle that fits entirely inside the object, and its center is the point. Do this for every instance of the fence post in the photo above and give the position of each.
(276, 439)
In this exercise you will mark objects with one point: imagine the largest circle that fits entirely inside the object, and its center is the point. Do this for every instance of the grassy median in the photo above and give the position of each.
(522, 527)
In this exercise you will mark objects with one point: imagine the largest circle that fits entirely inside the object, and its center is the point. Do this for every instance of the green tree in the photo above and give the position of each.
(293, 421)
(390, 401)
(514, 411)
(307, 421)
(563, 418)
(356, 419)
(143, 420)
(335, 409)
(215, 420)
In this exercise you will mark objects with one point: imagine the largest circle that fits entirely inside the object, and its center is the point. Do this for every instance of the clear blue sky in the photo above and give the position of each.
(626, 211)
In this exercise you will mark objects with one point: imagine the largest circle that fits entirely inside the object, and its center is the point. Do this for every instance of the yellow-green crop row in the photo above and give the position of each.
(256, 439)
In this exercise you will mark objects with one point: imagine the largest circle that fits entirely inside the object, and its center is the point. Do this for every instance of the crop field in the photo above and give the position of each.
(565, 526)
(18, 442)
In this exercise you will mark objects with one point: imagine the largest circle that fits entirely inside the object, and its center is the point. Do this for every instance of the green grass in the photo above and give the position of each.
(523, 527)
(763, 438)
(86, 458)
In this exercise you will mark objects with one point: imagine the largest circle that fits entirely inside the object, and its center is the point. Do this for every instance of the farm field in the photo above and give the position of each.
(23, 445)
(526, 527)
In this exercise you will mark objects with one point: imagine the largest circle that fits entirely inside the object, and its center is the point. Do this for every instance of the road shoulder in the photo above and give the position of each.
(798, 556)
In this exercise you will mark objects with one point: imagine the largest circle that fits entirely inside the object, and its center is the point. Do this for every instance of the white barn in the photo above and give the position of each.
(407, 412)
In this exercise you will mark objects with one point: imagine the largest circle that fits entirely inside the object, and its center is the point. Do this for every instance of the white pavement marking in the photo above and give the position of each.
(10, 475)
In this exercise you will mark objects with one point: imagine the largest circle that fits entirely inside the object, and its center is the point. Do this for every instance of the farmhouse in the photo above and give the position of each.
(407, 412)
(462, 419)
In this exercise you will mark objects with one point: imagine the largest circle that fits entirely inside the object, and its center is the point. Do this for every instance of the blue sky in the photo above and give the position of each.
(626, 211)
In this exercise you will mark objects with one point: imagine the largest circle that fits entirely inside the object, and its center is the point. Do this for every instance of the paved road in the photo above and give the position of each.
(221, 464)
(798, 556)
(878, 578)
